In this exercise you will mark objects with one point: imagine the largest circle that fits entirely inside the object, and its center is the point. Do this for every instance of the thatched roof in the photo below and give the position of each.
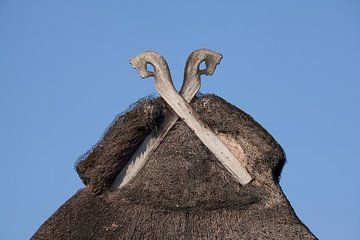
(182, 192)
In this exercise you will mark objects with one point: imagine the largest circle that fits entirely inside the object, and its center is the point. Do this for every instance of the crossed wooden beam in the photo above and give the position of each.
(179, 102)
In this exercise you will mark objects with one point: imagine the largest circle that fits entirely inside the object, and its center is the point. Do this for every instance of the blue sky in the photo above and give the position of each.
(293, 65)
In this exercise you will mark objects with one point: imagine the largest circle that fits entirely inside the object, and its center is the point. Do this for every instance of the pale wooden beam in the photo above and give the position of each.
(166, 89)
(190, 87)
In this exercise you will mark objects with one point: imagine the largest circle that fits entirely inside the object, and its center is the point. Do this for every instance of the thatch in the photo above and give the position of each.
(182, 192)
(99, 167)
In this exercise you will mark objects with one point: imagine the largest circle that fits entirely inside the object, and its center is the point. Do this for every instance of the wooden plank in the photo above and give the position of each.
(190, 87)
(167, 91)
(205, 134)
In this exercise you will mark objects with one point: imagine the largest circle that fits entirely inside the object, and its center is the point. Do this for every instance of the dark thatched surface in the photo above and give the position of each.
(182, 192)
(101, 165)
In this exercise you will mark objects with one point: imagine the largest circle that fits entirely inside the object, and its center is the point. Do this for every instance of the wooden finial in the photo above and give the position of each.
(180, 104)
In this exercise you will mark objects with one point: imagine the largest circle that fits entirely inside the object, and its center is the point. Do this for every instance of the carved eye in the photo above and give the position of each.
(149, 67)
(202, 66)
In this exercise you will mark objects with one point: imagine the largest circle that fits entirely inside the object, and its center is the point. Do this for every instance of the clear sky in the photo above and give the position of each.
(293, 65)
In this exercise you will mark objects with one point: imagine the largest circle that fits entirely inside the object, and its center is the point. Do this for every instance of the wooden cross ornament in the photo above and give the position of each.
(179, 103)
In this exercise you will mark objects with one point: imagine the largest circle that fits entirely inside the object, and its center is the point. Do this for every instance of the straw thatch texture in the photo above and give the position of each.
(182, 192)
(99, 167)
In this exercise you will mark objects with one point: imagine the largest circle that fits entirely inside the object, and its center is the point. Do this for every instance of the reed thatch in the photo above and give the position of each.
(182, 192)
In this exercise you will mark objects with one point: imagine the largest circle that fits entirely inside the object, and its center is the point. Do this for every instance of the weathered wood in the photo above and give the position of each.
(167, 91)
(190, 87)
